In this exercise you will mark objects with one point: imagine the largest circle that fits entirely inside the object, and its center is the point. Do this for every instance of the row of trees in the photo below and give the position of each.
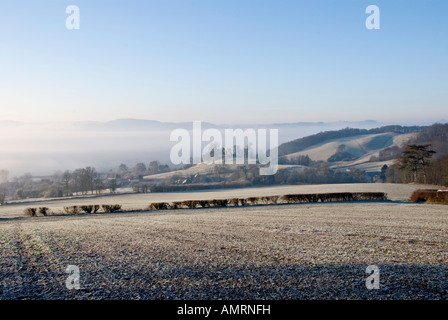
(3, 191)
(416, 165)
(317, 173)
(425, 160)
(139, 170)
(81, 181)
(301, 160)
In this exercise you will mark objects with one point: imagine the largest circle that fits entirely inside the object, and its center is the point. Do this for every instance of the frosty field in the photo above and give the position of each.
(138, 201)
(290, 251)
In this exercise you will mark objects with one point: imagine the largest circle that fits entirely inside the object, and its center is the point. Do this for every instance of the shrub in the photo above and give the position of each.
(204, 203)
(87, 209)
(233, 202)
(274, 199)
(371, 196)
(338, 196)
(30, 212)
(311, 198)
(222, 202)
(159, 206)
(219, 202)
(331, 197)
(430, 196)
(176, 205)
(191, 204)
(290, 198)
(325, 197)
(265, 200)
(252, 200)
(44, 211)
(72, 210)
(213, 203)
(111, 208)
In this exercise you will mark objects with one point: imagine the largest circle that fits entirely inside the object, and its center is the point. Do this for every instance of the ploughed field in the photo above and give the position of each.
(287, 251)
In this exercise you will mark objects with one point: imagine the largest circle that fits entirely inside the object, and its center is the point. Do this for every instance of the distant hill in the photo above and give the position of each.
(365, 149)
(44, 147)
(319, 138)
(359, 150)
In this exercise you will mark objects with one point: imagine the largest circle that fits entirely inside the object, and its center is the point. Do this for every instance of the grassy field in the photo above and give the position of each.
(305, 251)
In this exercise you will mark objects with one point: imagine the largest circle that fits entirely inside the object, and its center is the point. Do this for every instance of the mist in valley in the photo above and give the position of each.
(44, 148)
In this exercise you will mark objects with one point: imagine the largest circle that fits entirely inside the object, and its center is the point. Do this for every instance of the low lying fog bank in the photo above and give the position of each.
(43, 148)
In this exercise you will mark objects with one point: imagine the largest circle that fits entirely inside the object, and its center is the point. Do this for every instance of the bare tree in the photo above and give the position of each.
(85, 179)
(67, 181)
(98, 184)
(2, 195)
(139, 170)
(112, 184)
(153, 167)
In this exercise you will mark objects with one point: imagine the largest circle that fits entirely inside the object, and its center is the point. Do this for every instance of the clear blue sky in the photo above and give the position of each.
(224, 61)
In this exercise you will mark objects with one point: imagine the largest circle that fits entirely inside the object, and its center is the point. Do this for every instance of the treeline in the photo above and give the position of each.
(435, 172)
(437, 136)
(424, 160)
(81, 181)
(301, 160)
(389, 153)
(225, 176)
(320, 173)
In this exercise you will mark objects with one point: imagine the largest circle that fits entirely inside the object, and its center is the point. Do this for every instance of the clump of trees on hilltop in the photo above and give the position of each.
(425, 160)
(416, 165)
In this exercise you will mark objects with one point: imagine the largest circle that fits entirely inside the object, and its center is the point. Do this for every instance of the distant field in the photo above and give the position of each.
(305, 251)
(363, 146)
(397, 192)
